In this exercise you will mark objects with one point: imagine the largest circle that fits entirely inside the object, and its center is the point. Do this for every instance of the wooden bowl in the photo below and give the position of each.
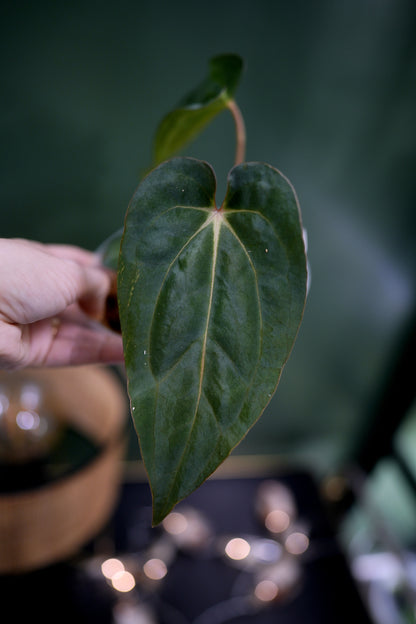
(45, 524)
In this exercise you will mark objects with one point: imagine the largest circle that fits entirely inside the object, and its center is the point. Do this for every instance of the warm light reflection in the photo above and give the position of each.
(237, 549)
(277, 521)
(188, 529)
(110, 567)
(296, 543)
(175, 523)
(123, 581)
(155, 569)
(266, 591)
(274, 496)
(285, 575)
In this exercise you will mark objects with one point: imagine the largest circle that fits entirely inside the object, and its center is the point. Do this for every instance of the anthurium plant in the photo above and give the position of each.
(210, 294)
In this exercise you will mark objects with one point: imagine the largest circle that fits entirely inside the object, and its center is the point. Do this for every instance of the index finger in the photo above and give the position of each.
(74, 253)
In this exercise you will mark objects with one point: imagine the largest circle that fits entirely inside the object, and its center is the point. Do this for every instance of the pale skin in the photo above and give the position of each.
(51, 299)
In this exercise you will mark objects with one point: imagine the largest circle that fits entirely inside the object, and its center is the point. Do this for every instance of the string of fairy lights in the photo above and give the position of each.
(269, 565)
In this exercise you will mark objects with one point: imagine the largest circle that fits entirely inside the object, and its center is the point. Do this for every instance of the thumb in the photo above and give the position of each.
(94, 287)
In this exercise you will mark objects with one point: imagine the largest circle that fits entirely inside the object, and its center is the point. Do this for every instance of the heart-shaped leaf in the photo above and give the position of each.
(210, 303)
(199, 107)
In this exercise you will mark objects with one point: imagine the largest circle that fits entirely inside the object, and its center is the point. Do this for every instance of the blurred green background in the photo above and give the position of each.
(329, 98)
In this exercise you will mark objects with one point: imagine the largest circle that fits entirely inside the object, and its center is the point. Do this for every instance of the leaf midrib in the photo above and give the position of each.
(216, 219)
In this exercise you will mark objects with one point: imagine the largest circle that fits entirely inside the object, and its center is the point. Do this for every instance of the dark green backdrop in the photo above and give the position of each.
(329, 97)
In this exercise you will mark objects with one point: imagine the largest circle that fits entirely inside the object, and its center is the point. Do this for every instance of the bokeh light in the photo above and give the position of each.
(297, 543)
(266, 591)
(237, 548)
(277, 521)
(175, 523)
(123, 581)
(111, 566)
(155, 569)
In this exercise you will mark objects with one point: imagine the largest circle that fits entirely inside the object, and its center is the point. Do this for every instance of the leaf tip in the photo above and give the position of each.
(160, 512)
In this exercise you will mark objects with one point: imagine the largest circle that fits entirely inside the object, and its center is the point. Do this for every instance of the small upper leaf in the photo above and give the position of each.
(210, 303)
(199, 107)
(109, 250)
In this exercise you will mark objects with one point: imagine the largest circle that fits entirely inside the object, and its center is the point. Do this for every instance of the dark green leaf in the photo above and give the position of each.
(199, 107)
(210, 303)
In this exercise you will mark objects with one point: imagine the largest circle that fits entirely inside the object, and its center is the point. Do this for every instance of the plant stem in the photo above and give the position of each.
(240, 131)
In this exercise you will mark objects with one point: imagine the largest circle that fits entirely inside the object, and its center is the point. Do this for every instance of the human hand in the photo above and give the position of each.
(51, 297)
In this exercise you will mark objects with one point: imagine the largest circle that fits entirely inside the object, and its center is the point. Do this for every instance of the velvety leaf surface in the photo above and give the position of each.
(199, 107)
(210, 303)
